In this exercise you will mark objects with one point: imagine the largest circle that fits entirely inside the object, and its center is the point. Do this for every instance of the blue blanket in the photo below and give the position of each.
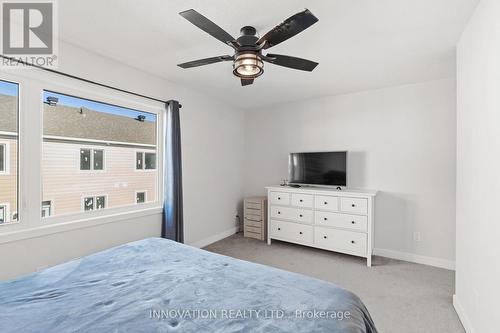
(156, 285)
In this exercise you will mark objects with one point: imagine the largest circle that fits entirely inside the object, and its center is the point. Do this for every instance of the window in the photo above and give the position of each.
(3, 157)
(3, 214)
(145, 161)
(100, 137)
(94, 203)
(140, 197)
(9, 95)
(139, 160)
(91, 159)
(150, 161)
(85, 159)
(98, 159)
(46, 208)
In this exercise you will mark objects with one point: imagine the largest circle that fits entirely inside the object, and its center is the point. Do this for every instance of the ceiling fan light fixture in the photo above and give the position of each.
(248, 65)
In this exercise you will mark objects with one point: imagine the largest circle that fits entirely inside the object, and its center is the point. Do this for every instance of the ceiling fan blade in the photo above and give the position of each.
(208, 26)
(290, 62)
(289, 28)
(246, 82)
(206, 61)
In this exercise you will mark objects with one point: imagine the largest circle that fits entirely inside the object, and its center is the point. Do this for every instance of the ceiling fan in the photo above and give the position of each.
(248, 60)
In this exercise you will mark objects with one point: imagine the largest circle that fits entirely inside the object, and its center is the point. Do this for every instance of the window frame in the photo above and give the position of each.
(143, 152)
(31, 85)
(94, 202)
(51, 208)
(92, 149)
(6, 158)
(6, 212)
(145, 197)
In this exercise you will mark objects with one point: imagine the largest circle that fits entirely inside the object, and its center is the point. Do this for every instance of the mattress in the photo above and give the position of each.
(157, 285)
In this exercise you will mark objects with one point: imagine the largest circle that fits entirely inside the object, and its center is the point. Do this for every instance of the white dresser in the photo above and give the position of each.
(329, 219)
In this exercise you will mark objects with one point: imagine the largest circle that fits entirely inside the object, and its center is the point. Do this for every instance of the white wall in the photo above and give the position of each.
(401, 141)
(212, 144)
(478, 165)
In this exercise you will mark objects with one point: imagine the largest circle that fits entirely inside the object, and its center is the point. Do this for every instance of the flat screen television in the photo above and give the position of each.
(322, 168)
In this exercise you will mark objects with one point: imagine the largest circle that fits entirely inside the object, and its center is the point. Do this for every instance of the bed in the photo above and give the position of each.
(157, 285)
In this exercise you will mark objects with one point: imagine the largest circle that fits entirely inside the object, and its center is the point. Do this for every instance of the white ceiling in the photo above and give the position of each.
(360, 44)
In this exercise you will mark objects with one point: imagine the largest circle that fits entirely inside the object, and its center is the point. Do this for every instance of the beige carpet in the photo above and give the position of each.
(401, 297)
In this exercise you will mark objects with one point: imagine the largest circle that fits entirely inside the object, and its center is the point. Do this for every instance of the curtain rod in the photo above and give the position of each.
(84, 80)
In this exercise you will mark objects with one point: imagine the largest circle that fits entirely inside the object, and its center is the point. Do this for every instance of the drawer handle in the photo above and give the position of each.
(326, 202)
(300, 232)
(300, 215)
(353, 222)
(325, 237)
(300, 200)
(279, 212)
(353, 205)
(324, 218)
(279, 228)
(353, 242)
(279, 198)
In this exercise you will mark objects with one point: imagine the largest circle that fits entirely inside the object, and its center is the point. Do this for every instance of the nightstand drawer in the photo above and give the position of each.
(339, 220)
(279, 198)
(250, 215)
(354, 205)
(334, 239)
(250, 223)
(292, 231)
(253, 205)
(326, 202)
(292, 214)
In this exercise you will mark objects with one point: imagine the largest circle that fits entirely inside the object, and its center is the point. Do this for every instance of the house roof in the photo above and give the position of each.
(8, 114)
(82, 123)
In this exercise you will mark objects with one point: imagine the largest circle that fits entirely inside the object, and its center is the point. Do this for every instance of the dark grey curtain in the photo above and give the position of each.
(172, 227)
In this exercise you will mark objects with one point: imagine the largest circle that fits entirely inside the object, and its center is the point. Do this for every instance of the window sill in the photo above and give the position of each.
(49, 229)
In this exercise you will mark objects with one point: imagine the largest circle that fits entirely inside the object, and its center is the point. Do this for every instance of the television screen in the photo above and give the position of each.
(328, 168)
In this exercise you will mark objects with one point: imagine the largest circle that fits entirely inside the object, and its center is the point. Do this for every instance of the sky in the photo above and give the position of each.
(11, 89)
(7, 88)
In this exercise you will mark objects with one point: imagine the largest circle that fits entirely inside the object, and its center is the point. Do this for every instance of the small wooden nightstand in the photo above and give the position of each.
(255, 214)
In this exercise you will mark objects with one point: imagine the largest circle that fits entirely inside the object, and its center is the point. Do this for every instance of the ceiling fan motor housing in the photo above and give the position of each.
(248, 62)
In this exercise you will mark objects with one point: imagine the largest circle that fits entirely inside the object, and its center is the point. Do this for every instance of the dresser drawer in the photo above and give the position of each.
(338, 240)
(339, 220)
(302, 200)
(292, 231)
(354, 205)
(279, 198)
(326, 202)
(292, 214)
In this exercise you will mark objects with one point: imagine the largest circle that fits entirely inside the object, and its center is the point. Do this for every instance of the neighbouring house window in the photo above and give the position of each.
(94, 203)
(98, 159)
(140, 197)
(145, 161)
(3, 157)
(85, 159)
(106, 137)
(150, 161)
(46, 208)
(9, 132)
(91, 159)
(139, 160)
(3, 214)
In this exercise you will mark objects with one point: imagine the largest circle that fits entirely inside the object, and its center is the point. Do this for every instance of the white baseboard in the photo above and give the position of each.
(215, 238)
(462, 315)
(416, 258)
